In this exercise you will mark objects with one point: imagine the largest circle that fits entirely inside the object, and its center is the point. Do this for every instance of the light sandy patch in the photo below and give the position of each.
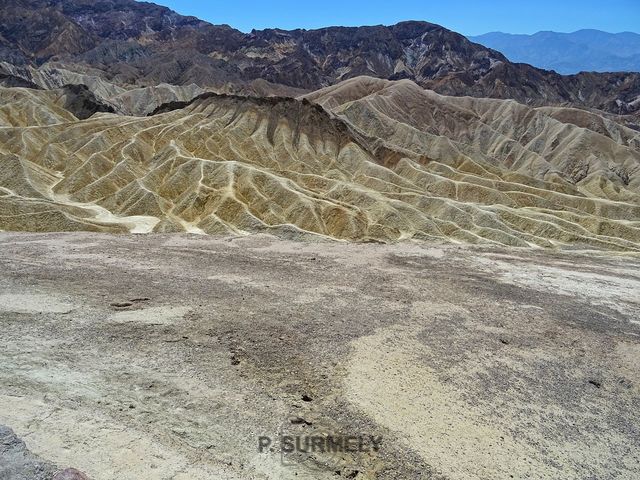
(618, 289)
(391, 380)
(387, 382)
(232, 279)
(33, 303)
(163, 315)
(135, 224)
(96, 445)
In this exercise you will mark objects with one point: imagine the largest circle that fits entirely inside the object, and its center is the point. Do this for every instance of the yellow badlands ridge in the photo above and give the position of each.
(364, 160)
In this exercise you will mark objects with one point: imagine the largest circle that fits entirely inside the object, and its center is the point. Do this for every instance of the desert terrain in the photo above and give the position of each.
(168, 356)
(213, 241)
(367, 159)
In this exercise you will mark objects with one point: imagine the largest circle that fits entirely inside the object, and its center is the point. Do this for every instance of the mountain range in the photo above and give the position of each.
(121, 116)
(131, 43)
(569, 53)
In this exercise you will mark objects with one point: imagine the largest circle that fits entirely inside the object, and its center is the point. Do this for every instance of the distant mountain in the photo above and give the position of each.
(139, 44)
(569, 53)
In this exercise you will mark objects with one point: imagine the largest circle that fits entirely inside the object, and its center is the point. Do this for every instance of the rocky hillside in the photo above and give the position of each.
(367, 159)
(141, 44)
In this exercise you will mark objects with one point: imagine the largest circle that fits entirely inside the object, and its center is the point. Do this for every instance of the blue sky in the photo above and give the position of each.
(470, 17)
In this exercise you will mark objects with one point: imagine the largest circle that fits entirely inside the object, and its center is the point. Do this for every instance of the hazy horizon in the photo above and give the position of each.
(528, 18)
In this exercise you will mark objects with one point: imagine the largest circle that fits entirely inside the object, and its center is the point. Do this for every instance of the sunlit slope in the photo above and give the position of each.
(396, 163)
(559, 161)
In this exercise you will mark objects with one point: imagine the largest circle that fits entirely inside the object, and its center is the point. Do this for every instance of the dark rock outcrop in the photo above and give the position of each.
(10, 81)
(18, 463)
(80, 101)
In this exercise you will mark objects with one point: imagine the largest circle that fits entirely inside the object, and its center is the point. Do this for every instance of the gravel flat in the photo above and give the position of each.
(169, 356)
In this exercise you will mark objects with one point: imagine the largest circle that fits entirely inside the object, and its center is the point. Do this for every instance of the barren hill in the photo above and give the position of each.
(386, 161)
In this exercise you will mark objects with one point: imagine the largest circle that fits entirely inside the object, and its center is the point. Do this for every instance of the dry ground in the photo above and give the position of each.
(167, 356)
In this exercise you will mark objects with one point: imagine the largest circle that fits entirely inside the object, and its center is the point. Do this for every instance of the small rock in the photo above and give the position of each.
(300, 421)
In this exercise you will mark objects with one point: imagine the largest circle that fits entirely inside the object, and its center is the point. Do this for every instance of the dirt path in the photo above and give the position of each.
(167, 357)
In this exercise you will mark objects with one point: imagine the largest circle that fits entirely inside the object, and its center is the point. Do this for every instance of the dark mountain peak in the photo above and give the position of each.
(123, 19)
(414, 28)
